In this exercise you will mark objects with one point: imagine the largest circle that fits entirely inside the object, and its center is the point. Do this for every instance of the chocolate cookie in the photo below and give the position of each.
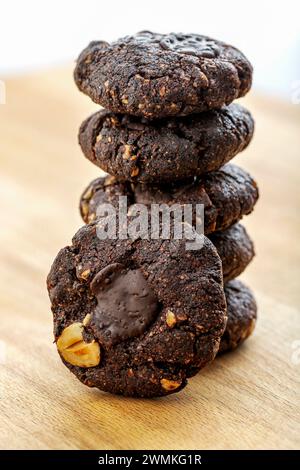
(157, 75)
(136, 318)
(168, 149)
(227, 195)
(241, 312)
(235, 249)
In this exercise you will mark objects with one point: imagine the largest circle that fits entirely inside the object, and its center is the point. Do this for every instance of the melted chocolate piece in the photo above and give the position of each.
(198, 46)
(126, 304)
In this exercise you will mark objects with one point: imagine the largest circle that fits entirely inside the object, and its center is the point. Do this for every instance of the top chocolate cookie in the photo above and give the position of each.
(157, 75)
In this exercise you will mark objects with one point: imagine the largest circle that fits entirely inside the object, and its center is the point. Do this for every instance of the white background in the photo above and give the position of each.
(35, 34)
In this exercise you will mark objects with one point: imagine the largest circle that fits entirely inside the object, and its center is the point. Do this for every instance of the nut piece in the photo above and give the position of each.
(86, 319)
(91, 217)
(174, 106)
(85, 274)
(75, 350)
(170, 385)
(87, 194)
(109, 180)
(170, 319)
(162, 91)
(127, 152)
(134, 172)
(84, 208)
(114, 121)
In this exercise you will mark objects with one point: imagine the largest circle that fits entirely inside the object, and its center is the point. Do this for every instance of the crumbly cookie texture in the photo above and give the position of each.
(235, 249)
(157, 75)
(242, 313)
(156, 311)
(227, 195)
(170, 149)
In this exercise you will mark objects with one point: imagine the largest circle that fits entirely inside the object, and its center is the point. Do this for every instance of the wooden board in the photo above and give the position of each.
(247, 399)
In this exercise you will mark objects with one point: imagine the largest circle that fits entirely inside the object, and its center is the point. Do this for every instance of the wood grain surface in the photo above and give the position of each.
(247, 399)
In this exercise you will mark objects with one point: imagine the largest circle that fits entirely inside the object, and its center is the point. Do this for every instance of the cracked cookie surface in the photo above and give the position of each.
(157, 75)
(169, 149)
(227, 195)
(156, 311)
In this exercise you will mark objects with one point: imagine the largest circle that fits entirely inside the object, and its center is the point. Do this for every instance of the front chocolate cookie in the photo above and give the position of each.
(157, 75)
(164, 150)
(136, 318)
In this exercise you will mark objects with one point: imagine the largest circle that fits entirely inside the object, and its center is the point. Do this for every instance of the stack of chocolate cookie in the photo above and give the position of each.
(139, 317)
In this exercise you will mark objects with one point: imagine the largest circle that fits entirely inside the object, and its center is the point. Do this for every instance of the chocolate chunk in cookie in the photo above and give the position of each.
(227, 195)
(158, 75)
(126, 304)
(235, 249)
(136, 318)
(241, 311)
(168, 149)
